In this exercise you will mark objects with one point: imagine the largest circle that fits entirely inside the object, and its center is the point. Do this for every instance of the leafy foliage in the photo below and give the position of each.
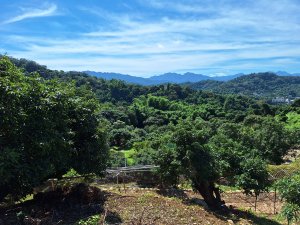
(289, 189)
(47, 127)
(92, 220)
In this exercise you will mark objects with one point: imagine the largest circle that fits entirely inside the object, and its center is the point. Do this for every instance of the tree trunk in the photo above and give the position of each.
(210, 194)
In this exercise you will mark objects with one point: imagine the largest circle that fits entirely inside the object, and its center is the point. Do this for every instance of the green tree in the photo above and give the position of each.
(47, 127)
(289, 190)
(239, 162)
(268, 136)
(204, 155)
(252, 176)
(197, 161)
(169, 165)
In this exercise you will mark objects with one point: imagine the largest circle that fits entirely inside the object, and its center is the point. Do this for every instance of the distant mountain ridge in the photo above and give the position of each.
(283, 73)
(258, 84)
(162, 78)
(178, 78)
(171, 77)
(265, 85)
(123, 77)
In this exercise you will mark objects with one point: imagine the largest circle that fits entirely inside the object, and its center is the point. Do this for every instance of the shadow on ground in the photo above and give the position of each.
(65, 205)
(226, 214)
(112, 218)
(235, 215)
(172, 192)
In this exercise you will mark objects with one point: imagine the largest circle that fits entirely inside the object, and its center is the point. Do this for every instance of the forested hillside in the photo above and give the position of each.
(258, 85)
(201, 135)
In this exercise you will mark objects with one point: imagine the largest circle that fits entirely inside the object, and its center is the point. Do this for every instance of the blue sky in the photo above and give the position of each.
(144, 38)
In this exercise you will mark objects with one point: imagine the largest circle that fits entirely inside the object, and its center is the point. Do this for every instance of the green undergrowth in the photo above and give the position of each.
(120, 158)
(283, 170)
(92, 220)
(293, 120)
(129, 155)
(226, 188)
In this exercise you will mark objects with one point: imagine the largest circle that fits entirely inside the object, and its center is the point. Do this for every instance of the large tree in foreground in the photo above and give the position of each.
(46, 128)
(204, 155)
(197, 161)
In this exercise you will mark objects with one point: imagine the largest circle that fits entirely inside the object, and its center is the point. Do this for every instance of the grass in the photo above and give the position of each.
(92, 220)
(118, 156)
(145, 197)
(129, 155)
(24, 199)
(280, 171)
(225, 188)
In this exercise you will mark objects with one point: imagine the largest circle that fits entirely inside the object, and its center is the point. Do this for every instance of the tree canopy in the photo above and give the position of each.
(47, 127)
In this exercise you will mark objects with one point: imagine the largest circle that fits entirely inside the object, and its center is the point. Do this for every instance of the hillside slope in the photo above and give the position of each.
(259, 84)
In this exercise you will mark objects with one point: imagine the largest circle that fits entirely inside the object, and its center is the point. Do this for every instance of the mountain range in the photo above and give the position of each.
(171, 77)
(264, 85)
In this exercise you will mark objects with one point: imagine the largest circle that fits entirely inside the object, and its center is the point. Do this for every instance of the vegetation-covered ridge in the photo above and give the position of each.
(260, 85)
(257, 85)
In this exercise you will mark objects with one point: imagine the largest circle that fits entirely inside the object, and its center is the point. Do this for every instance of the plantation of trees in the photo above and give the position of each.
(52, 121)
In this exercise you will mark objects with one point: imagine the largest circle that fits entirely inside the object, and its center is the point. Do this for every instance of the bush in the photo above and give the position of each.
(289, 190)
(47, 127)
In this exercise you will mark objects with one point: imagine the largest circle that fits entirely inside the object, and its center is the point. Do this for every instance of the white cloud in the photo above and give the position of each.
(33, 13)
(234, 37)
(179, 6)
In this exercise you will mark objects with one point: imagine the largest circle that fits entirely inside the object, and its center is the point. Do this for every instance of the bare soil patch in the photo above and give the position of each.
(135, 207)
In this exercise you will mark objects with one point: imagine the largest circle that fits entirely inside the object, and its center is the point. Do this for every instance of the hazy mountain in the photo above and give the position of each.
(202, 81)
(228, 77)
(124, 77)
(179, 78)
(163, 78)
(284, 73)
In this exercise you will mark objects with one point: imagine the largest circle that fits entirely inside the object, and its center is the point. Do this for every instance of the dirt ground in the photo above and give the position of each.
(130, 206)
(170, 208)
(267, 203)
